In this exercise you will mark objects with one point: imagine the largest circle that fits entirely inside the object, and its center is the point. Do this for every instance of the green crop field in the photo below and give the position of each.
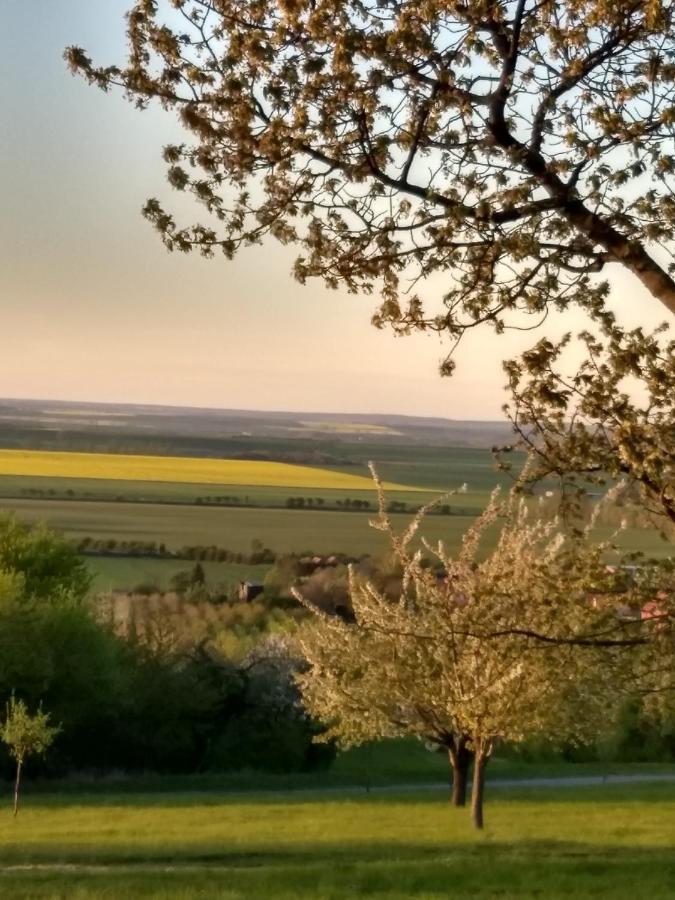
(281, 529)
(601, 842)
(432, 470)
(168, 512)
(25, 487)
(434, 473)
(235, 529)
(126, 573)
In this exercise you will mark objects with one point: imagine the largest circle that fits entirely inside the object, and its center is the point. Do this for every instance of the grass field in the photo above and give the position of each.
(176, 469)
(125, 573)
(281, 529)
(607, 842)
(21, 487)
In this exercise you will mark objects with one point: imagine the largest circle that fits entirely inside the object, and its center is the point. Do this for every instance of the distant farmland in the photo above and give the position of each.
(283, 530)
(180, 470)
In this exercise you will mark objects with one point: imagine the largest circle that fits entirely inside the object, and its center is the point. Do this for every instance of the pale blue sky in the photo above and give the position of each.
(94, 308)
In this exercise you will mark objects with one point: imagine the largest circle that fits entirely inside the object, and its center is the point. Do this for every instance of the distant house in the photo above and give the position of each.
(248, 591)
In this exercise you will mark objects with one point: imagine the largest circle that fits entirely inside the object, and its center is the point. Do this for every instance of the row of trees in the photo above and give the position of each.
(258, 555)
(114, 547)
(225, 500)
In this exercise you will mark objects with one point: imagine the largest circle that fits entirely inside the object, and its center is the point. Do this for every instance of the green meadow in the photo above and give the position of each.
(605, 841)
(126, 573)
(284, 530)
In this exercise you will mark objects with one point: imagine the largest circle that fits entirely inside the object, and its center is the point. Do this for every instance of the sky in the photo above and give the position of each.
(94, 308)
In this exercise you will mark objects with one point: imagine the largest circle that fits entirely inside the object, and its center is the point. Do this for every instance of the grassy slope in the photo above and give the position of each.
(604, 842)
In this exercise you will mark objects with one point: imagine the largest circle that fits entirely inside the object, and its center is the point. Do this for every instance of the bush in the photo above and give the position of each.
(142, 702)
(272, 731)
(49, 565)
(146, 588)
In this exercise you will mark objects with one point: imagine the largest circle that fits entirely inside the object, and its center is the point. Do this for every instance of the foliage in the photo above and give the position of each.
(614, 418)
(25, 734)
(188, 580)
(279, 579)
(501, 648)
(272, 731)
(49, 565)
(328, 591)
(639, 737)
(517, 147)
(149, 698)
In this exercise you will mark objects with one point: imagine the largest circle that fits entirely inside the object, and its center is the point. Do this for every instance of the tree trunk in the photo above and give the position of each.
(619, 248)
(460, 761)
(480, 761)
(17, 785)
(628, 253)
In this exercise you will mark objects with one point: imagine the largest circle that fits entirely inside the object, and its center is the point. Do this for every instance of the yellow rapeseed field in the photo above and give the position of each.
(179, 469)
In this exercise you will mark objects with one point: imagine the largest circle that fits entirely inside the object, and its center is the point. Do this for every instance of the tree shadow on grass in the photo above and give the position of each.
(610, 792)
(543, 869)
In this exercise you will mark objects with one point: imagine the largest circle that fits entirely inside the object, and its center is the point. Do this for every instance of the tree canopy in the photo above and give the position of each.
(25, 735)
(49, 565)
(520, 148)
(593, 423)
(521, 640)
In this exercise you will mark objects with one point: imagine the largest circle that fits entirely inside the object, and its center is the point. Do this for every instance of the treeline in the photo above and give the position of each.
(141, 700)
(320, 503)
(347, 504)
(224, 500)
(257, 555)
(88, 546)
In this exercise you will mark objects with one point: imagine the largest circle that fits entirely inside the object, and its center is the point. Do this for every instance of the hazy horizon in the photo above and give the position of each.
(95, 306)
(242, 409)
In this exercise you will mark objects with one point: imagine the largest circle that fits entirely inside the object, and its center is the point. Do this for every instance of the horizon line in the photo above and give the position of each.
(229, 409)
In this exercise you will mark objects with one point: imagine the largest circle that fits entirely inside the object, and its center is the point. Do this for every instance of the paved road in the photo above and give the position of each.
(566, 781)
(582, 780)
(560, 782)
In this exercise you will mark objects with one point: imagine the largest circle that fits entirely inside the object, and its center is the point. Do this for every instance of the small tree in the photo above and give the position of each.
(506, 646)
(25, 736)
(198, 575)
